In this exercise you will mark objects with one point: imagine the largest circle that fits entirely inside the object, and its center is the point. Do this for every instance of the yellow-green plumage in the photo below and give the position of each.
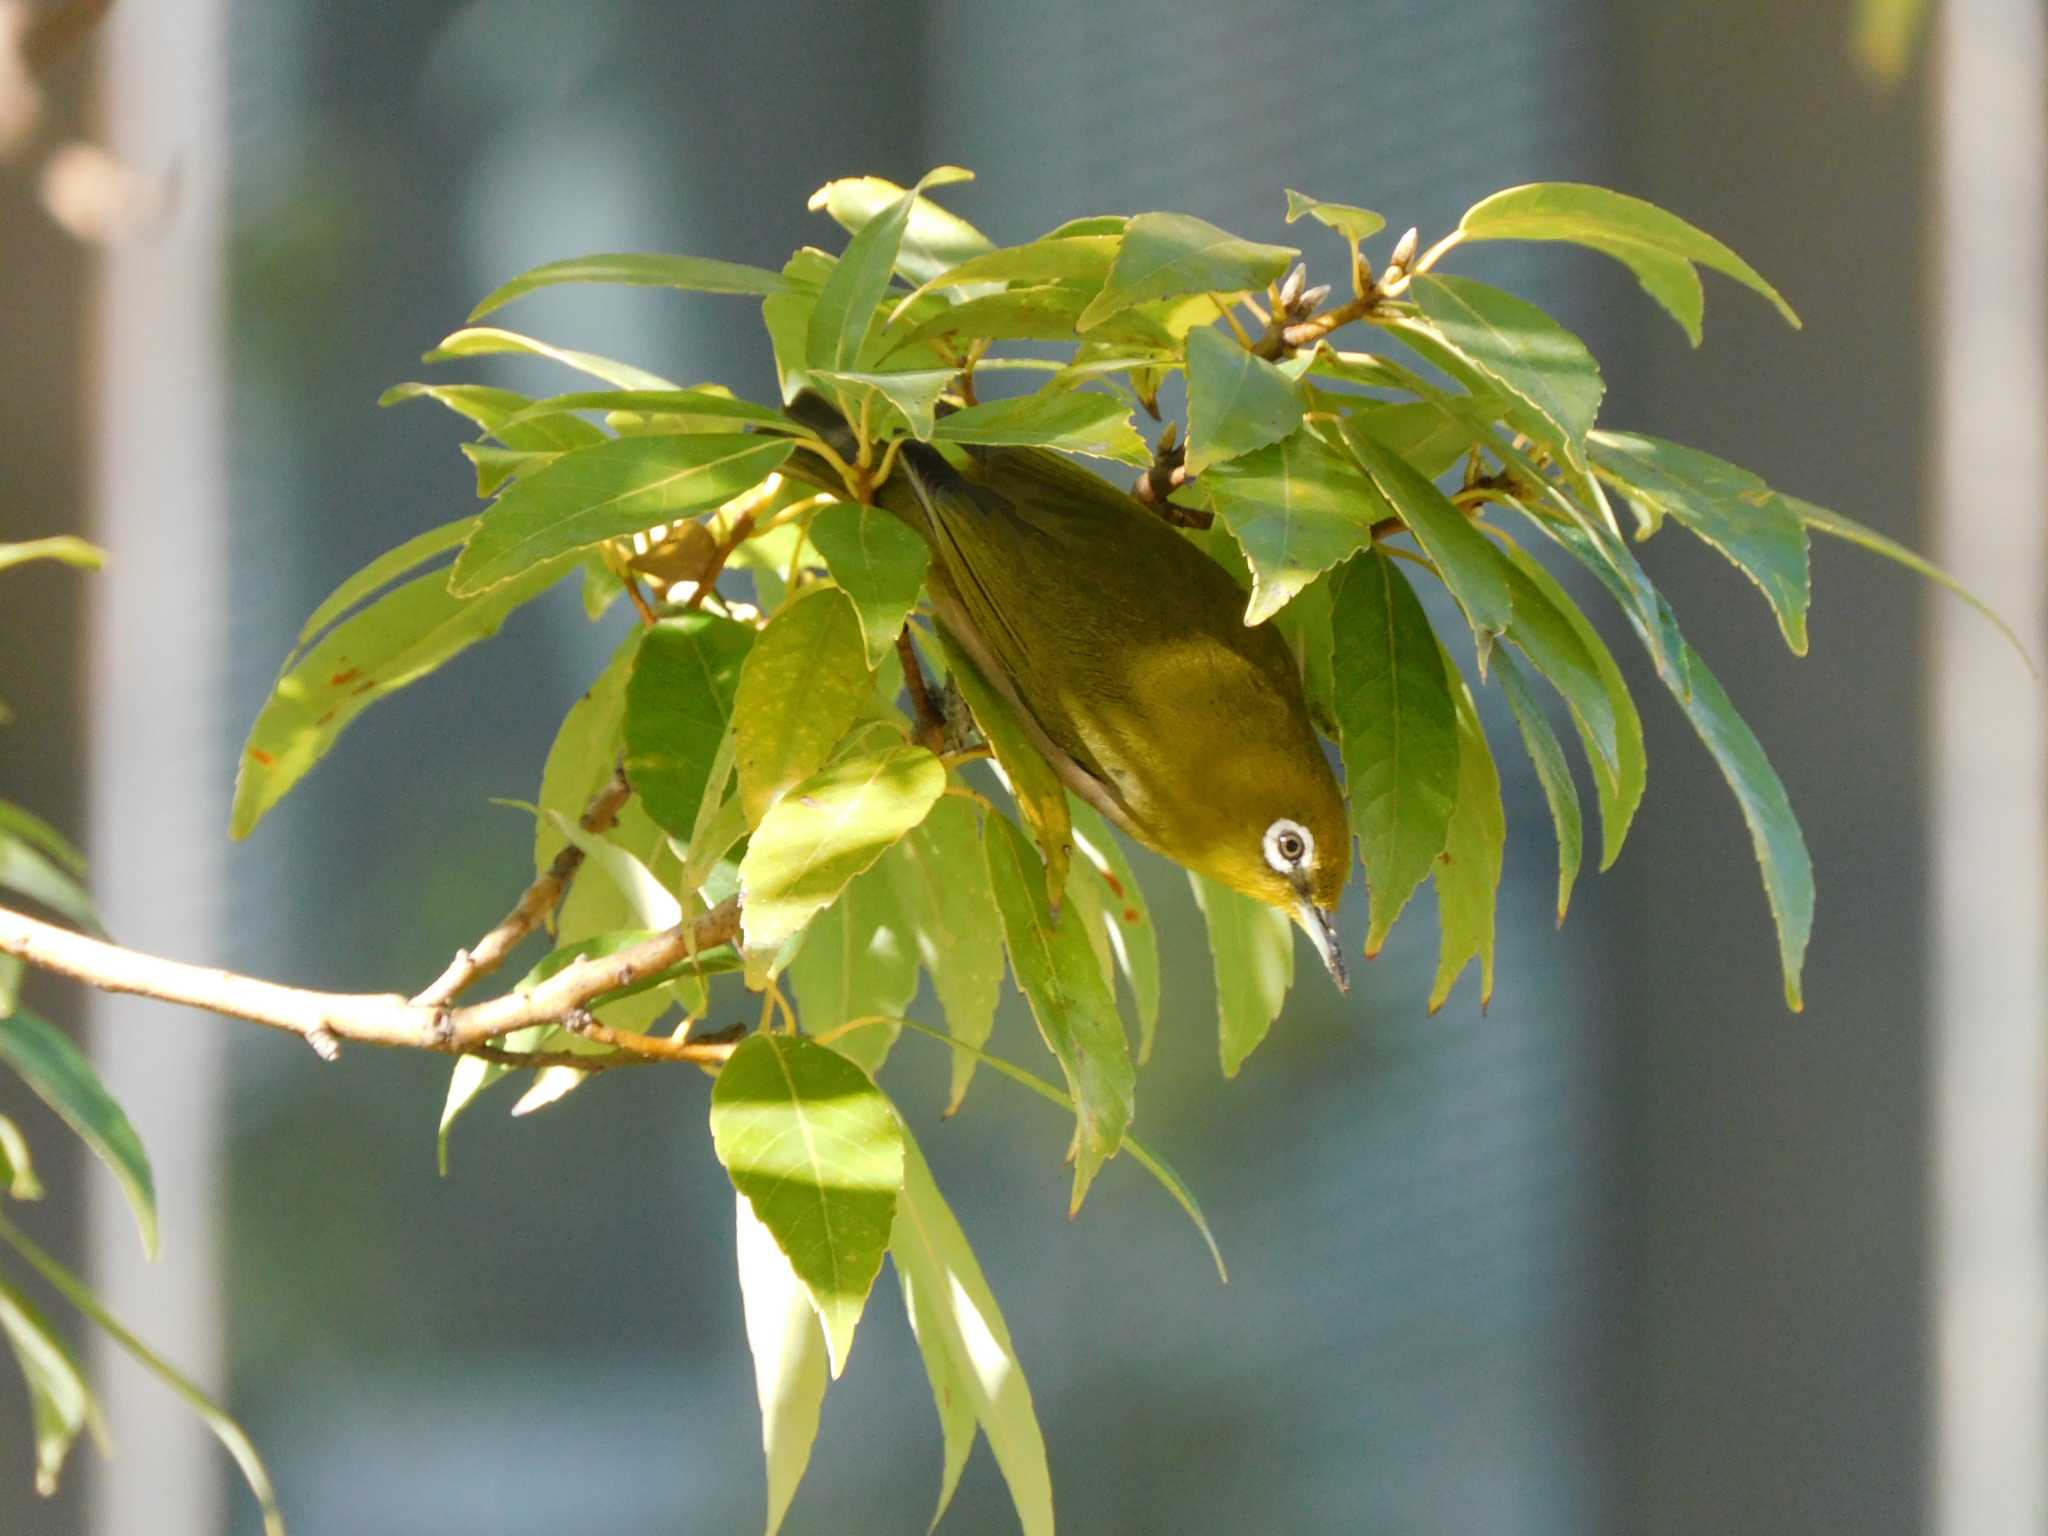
(1124, 650)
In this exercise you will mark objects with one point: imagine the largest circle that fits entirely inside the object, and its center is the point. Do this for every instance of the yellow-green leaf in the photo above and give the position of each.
(800, 689)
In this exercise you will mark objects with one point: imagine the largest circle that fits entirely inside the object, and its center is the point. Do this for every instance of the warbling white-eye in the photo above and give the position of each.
(1124, 651)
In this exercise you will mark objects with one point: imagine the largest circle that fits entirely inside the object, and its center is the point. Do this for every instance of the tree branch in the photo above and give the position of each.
(324, 1018)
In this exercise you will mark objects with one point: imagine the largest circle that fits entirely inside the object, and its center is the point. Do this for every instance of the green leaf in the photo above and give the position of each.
(1464, 557)
(1467, 873)
(825, 831)
(678, 703)
(1560, 641)
(1398, 730)
(857, 961)
(1305, 624)
(606, 491)
(61, 1076)
(490, 341)
(40, 835)
(586, 749)
(28, 872)
(1070, 999)
(915, 394)
(1037, 789)
(1354, 224)
(398, 639)
(1132, 934)
(879, 563)
(1163, 254)
(1236, 402)
(845, 310)
(942, 887)
(1521, 350)
(1659, 247)
(1422, 432)
(1546, 756)
(1885, 34)
(788, 1346)
(64, 548)
(692, 274)
(496, 467)
(1080, 261)
(1773, 829)
(1076, 421)
(1727, 507)
(381, 572)
(975, 1375)
(933, 240)
(61, 1405)
(11, 972)
(1822, 520)
(514, 419)
(1047, 312)
(17, 1168)
(817, 1150)
(708, 401)
(224, 1429)
(1297, 509)
(800, 689)
(1253, 947)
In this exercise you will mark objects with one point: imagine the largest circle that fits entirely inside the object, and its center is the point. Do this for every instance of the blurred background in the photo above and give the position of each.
(1635, 1251)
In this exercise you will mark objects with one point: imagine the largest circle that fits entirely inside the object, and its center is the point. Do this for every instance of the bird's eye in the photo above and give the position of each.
(1288, 846)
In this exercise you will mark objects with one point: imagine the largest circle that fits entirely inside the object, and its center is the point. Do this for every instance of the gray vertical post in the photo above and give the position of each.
(1989, 993)
(158, 778)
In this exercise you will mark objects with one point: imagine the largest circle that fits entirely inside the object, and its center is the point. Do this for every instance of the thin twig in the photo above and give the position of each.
(534, 905)
(376, 1018)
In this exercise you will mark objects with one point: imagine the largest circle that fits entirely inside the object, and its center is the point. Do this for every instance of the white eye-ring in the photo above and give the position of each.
(1290, 847)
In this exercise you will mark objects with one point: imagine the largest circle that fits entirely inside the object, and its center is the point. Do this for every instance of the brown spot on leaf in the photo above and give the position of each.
(1130, 914)
(263, 757)
(325, 718)
(345, 676)
(1115, 885)
(368, 686)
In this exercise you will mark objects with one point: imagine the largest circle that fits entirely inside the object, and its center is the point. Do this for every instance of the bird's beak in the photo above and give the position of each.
(1321, 927)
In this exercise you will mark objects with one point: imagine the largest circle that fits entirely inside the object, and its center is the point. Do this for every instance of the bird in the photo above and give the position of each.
(1123, 649)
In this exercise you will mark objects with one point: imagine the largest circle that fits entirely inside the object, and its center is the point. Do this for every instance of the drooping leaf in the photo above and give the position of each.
(1467, 872)
(817, 1150)
(975, 1375)
(1076, 421)
(491, 341)
(606, 491)
(381, 572)
(1835, 524)
(845, 309)
(587, 748)
(1076, 1012)
(1398, 730)
(1521, 351)
(1728, 507)
(44, 1058)
(879, 563)
(1354, 224)
(1546, 756)
(61, 1405)
(788, 1345)
(1464, 557)
(692, 274)
(858, 961)
(223, 1428)
(396, 640)
(943, 890)
(678, 702)
(1253, 948)
(1296, 508)
(15, 821)
(933, 240)
(1127, 916)
(1040, 795)
(1659, 247)
(27, 871)
(800, 689)
(1236, 401)
(65, 548)
(825, 831)
(1164, 254)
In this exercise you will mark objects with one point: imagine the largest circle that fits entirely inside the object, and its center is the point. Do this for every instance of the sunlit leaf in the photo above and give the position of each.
(1296, 508)
(61, 1405)
(879, 562)
(398, 639)
(491, 341)
(17, 1168)
(695, 274)
(606, 491)
(1081, 261)
(709, 402)
(788, 1345)
(1398, 730)
(845, 309)
(934, 239)
(44, 1058)
(1077, 421)
(678, 702)
(1354, 224)
(825, 831)
(66, 549)
(1659, 247)
(1422, 432)
(1070, 999)
(1885, 35)
(585, 752)
(817, 1150)
(1467, 872)
(914, 395)
(1546, 756)
(975, 1375)
(800, 689)
(1163, 254)
(858, 961)
(1236, 401)
(381, 572)
(1252, 945)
